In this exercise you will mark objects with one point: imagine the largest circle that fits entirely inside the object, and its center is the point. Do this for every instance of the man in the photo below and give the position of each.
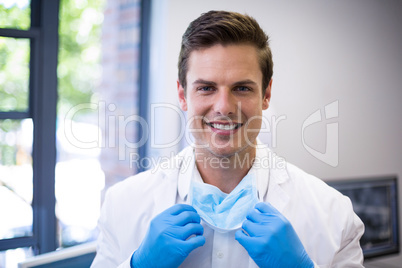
(218, 203)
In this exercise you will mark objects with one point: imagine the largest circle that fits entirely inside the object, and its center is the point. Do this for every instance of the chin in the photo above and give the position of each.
(227, 151)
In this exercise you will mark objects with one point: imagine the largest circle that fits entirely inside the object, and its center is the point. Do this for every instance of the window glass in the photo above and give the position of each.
(16, 178)
(79, 177)
(10, 258)
(15, 14)
(14, 74)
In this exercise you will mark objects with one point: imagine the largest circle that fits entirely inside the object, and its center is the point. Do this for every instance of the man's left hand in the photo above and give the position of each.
(270, 239)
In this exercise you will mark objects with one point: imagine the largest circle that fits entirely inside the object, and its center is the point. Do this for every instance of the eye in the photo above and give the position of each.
(205, 88)
(242, 89)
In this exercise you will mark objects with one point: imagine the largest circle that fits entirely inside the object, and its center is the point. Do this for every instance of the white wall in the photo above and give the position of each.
(344, 51)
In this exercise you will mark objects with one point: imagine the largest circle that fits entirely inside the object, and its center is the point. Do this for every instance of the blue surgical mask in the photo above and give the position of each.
(224, 212)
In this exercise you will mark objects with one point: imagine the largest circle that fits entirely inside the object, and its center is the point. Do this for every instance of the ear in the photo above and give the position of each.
(182, 96)
(267, 96)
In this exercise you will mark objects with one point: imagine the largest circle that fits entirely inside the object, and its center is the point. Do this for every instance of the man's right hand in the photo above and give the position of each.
(171, 236)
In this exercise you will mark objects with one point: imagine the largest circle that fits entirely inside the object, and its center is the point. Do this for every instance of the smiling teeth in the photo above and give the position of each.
(224, 127)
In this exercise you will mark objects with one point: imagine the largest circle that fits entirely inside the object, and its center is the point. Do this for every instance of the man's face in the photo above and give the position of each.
(224, 98)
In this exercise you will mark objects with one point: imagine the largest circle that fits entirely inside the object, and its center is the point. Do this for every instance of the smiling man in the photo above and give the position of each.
(227, 209)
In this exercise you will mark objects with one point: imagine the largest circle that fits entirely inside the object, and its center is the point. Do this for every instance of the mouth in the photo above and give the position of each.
(225, 126)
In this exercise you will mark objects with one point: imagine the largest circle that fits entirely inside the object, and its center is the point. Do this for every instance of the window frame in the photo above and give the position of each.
(43, 36)
(146, 6)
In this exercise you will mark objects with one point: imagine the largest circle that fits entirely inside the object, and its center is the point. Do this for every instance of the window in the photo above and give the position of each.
(45, 179)
(28, 94)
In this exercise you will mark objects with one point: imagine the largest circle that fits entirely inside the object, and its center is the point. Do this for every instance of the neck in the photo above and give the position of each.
(224, 172)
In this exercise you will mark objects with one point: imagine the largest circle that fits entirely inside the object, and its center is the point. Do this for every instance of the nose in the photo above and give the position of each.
(225, 103)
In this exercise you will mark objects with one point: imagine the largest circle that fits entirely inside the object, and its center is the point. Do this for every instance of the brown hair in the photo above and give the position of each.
(223, 27)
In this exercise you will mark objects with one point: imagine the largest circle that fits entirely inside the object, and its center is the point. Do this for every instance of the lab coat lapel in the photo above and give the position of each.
(185, 174)
(277, 196)
(262, 169)
(176, 179)
(271, 174)
(165, 195)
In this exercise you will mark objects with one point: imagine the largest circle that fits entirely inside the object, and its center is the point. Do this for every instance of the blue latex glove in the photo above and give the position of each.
(271, 240)
(167, 241)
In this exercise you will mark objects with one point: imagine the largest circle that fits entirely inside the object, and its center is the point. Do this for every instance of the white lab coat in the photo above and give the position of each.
(322, 217)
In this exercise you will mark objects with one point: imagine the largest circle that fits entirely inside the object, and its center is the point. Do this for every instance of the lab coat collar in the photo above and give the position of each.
(269, 175)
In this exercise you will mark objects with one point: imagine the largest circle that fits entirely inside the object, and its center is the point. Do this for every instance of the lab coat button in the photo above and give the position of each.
(220, 254)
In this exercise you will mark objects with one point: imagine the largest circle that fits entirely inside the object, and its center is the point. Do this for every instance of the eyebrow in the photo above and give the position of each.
(245, 82)
(204, 82)
(211, 83)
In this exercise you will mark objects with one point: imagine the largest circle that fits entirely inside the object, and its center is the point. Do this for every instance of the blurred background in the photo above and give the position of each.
(113, 111)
